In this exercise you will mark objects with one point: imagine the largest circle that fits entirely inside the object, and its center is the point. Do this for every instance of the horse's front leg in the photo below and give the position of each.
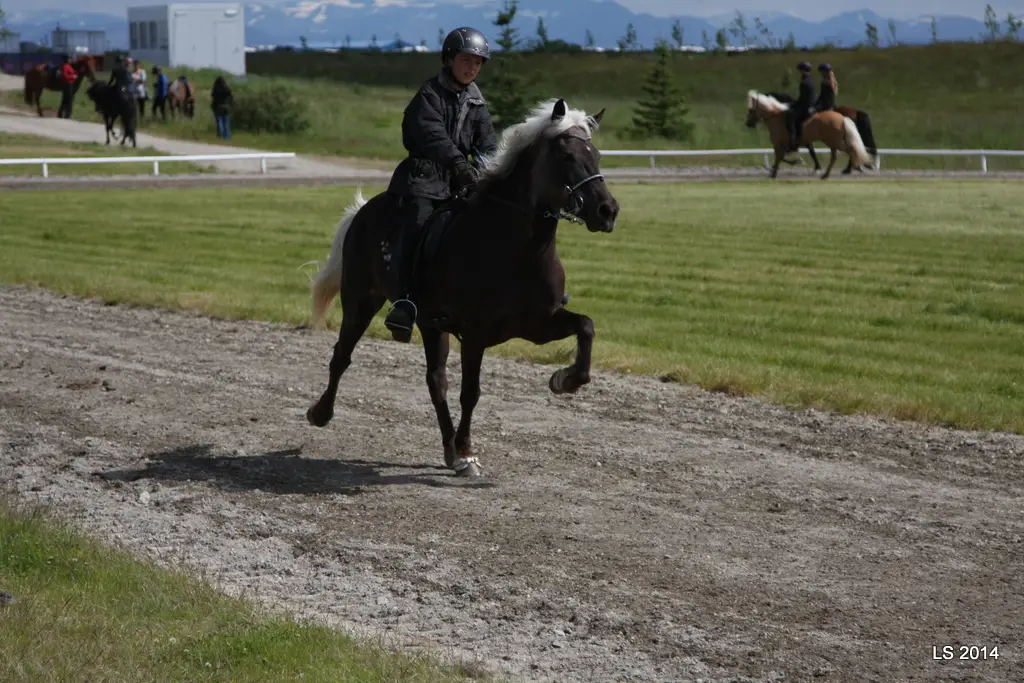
(39, 102)
(780, 156)
(562, 324)
(831, 163)
(814, 157)
(466, 465)
(435, 346)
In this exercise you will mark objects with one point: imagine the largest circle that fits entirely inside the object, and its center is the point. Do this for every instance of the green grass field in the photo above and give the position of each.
(86, 612)
(901, 298)
(33, 147)
(945, 96)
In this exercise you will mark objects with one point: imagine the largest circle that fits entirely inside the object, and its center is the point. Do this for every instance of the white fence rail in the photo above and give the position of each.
(652, 154)
(155, 160)
(984, 154)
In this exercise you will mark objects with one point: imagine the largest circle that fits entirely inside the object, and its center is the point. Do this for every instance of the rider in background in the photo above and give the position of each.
(68, 78)
(803, 108)
(829, 89)
(119, 76)
(446, 121)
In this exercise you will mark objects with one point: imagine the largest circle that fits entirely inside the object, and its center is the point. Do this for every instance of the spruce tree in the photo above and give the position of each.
(507, 97)
(662, 112)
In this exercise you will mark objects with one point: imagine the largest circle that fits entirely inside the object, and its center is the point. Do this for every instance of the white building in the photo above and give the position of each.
(75, 42)
(196, 35)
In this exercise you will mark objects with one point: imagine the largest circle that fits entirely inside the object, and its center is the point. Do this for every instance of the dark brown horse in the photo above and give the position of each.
(494, 274)
(43, 77)
(859, 117)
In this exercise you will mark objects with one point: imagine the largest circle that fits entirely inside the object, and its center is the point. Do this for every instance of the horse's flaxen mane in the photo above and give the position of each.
(765, 103)
(518, 138)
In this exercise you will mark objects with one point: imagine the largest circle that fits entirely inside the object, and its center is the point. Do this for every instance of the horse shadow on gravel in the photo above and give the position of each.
(283, 472)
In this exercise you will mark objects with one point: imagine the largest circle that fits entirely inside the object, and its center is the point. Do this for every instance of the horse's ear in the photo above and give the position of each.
(559, 110)
(598, 116)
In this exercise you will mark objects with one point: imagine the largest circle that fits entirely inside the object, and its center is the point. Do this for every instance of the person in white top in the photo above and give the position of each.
(139, 87)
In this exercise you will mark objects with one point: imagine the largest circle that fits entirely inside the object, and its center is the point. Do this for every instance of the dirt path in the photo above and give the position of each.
(638, 531)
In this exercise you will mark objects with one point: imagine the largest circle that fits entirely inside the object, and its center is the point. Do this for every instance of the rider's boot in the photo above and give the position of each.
(402, 316)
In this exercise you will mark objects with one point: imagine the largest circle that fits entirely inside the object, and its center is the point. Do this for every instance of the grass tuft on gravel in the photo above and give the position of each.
(900, 299)
(84, 611)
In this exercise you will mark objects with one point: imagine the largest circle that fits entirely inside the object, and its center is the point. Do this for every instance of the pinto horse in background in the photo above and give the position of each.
(859, 117)
(181, 97)
(44, 77)
(493, 272)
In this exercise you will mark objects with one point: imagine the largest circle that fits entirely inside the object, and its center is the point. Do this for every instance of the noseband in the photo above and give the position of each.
(573, 202)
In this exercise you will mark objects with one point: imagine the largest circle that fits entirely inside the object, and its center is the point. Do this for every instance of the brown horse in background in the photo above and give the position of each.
(858, 116)
(43, 77)
(181, 96)
(830, 127)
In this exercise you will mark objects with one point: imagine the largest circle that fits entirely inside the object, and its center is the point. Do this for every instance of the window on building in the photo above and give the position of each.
(154, 40)
(133, 35)
(163, 35)
(143, 36)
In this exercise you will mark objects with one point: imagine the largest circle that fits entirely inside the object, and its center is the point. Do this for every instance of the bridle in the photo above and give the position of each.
(573, 202)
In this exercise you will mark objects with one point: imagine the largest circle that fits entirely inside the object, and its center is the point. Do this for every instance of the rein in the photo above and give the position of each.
(569, 212)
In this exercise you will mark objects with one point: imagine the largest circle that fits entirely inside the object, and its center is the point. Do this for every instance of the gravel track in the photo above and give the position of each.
(639, 531)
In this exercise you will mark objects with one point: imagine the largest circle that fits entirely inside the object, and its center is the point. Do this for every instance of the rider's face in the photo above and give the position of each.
(466, 67)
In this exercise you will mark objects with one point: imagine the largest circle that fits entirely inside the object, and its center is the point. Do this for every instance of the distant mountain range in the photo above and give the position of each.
(334, 22)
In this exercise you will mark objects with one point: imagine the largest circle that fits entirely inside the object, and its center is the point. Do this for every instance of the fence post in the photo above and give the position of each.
(767, 165)
(263, 164)
(984, 164)
(878, 161)
(652, 161)
(156, 168)
(46, 171)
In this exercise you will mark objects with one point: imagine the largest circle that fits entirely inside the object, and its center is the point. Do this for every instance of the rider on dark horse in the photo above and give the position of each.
(446, 122)
(829, 89)
(803, 108)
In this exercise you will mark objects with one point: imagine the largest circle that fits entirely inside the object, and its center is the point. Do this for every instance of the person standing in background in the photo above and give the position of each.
(221, 100)
(160, 86)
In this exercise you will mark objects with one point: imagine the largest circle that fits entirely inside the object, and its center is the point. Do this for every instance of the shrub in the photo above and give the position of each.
(269, 108)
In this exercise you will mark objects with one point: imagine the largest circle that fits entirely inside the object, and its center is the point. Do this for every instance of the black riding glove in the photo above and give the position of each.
(463, 177)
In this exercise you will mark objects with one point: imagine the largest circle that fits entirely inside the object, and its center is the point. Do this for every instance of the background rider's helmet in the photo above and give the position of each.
(824, 68)
(804, 66)
(465, 39)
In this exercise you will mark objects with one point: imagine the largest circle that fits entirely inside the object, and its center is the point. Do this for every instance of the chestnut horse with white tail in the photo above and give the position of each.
(830, 127)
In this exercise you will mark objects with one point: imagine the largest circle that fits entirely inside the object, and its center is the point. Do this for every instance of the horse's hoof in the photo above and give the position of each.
(557, 381)
(318, 417)
(468, 468)
(449, 458)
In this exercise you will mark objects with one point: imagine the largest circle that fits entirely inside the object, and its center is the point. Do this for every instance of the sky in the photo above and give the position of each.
(812, 10)
(816, 10)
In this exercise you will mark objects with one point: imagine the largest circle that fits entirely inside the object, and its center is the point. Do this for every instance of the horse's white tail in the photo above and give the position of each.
(326, 284)
(855, 145)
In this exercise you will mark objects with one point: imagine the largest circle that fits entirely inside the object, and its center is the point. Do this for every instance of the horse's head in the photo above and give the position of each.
(567, 172)
(761, 107)
(86, 66)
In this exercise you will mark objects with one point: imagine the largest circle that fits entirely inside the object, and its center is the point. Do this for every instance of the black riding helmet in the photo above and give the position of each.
(804, 66)
(465, 39)
(824, 68)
